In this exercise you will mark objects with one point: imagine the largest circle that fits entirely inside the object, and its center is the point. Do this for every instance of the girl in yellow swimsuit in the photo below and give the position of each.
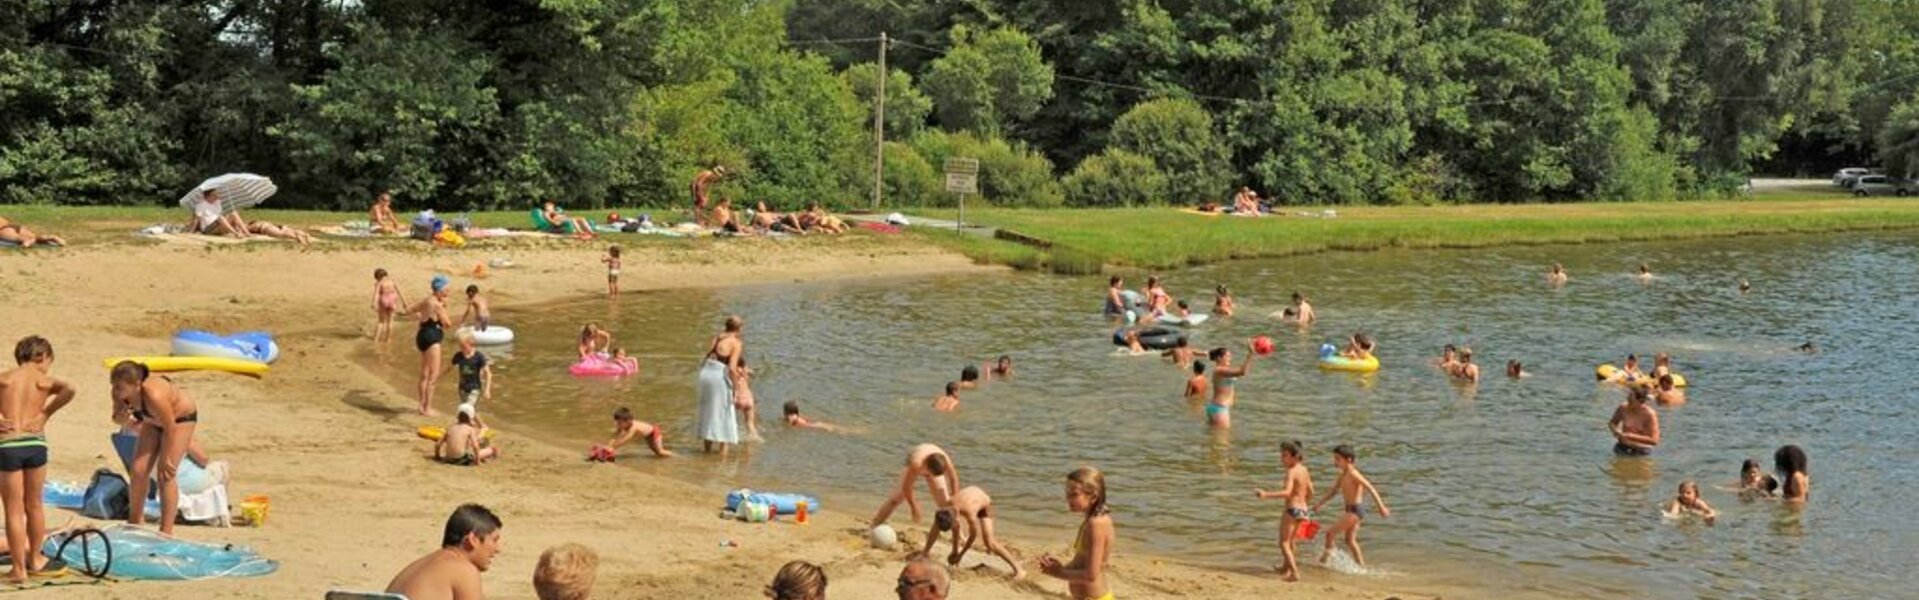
(1085, 574)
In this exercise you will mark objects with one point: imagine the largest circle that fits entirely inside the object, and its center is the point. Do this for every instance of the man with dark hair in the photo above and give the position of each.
(467, 548)
(29, 395)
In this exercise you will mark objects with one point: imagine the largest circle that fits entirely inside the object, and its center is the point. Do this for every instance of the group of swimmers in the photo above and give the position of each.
(1000, 369)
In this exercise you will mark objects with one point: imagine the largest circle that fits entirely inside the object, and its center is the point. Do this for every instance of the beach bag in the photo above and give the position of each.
(106, 496)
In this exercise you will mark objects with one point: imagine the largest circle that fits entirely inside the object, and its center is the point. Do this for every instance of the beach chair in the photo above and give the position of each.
(346, 595)
(208, 501)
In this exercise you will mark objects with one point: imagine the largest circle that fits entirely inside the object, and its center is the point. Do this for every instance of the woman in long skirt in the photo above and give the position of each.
(719, 420)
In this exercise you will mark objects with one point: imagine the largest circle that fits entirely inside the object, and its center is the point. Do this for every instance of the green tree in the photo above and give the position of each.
(989, 80)
(1010, 173)
(1116, 178)
(906, 106)
(1899, 140)
(1178, 136)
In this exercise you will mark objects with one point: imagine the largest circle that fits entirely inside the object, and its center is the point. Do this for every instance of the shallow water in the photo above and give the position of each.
(1506, 487)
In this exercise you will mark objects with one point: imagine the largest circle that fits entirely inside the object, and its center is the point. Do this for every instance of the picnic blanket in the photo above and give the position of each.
(174, 234)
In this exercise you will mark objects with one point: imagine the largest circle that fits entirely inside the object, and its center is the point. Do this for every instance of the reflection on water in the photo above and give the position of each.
(1509, 484)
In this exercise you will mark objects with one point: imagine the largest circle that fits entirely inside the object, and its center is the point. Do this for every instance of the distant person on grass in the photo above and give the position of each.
(381, 218)
(702, 184)
(467, 547)
(209, 217)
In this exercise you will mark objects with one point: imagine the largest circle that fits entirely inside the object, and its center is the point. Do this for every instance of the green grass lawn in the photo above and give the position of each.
(1165, 237)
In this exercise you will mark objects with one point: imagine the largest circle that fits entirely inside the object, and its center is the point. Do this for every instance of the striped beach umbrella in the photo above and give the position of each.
(237, 191)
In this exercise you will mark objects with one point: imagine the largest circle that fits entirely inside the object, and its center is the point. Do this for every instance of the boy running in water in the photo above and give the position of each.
(1298, 493)
(29, 396)
(1353, 487)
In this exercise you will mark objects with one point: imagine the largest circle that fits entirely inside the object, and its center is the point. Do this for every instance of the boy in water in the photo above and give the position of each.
(476, 371)
(949, 401)
(1358, 347)
(1180, 353)
(626, 429)
(1302, 311)
(1353, 487)
(1002, 368)
(1630, 373)
(1557, 276)
(793, 419)
(29, 395)
(1634, 425)
(1645, 273)
(1196, 385)
(969, 378)
(1465, 369)
(1516, 370)
(478, 311)
(461, 444)
(1669, 395)
(1754, 483)
(1448, 358)
(612, 260)
(1298, 493)
(1223, 304)
(1689, 502)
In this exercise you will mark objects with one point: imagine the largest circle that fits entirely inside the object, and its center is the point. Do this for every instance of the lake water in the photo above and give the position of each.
(1508, 487)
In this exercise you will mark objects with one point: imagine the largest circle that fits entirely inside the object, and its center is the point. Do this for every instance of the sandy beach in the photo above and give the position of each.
(354, 494)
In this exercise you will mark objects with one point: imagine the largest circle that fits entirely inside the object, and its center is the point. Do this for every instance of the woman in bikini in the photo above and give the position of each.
(166, 418)
(276, 231)
(434, 322)
(718, 417)
(1085, 574)
(1219, 412)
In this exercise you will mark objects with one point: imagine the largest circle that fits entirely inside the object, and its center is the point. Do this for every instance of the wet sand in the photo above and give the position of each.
(354, 495)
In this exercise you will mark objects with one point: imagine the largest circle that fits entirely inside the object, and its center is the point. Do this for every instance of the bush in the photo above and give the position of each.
(910, 180)
(1115, 178)
(1178, 136)
(1010, 173)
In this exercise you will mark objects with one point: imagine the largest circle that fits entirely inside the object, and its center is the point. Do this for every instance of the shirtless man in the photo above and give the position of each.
(1634, 425)
(28, 397)
(467, 548)
(381, 215)
(973, 508)
(701, 184)
(1667, 394)
(942, 477)
(1298, 494)
(626, 429)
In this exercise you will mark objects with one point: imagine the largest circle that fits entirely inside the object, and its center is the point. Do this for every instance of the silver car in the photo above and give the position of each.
(1884, 185)
(1844, 176)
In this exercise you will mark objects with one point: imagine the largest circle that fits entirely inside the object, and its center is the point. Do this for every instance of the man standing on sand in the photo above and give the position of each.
(1634, 425)
(701, 182)
(922, 579)
(24, 410)
(467, 548)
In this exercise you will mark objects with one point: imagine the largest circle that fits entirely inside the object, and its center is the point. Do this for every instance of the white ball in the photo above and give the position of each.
(883, 537)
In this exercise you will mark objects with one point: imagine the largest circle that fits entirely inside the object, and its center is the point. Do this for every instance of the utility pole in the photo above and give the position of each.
(879, 128)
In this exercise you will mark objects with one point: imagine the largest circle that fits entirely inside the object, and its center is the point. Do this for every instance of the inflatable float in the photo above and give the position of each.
(436, 432)
(137, 553)
(783, 504)
(1150, 338)
(494, 335)
(1609, 373)
(1133, 300)
(604, 366)
(194, 363)
(257, 346)
(1187, 321)
(1331, 360)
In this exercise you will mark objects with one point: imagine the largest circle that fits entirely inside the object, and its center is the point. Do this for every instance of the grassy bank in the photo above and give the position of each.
(1162, 237)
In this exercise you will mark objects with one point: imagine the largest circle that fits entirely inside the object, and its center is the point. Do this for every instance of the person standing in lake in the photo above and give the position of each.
(718, 418)
(1634, 425)
(1795, 486)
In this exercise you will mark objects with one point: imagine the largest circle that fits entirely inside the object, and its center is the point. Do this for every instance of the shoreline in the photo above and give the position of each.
(334, 448)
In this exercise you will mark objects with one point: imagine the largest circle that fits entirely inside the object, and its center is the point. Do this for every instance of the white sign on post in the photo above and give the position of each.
(962, 177)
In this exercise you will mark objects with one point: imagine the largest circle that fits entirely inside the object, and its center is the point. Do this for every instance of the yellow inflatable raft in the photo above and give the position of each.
(436, 432)
(195, 363)
(1610, 374)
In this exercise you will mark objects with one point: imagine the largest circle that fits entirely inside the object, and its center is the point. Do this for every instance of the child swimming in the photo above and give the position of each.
(612, 261)
(1515, 370)
(1557, 276)
(1002, 368)
(1353, 487)
(969, 377)
(1645, 273)
(1133, 348)
(478, 311)
(626, 429)
(1302, 311)
(1754, 483)
(1689, 503)
(949, 401)
(1196, 385)
(1181, 354)
(793, 419)
(1667, 394)
(387, 301)
(1223, 302)
(1085, 573)
(1298, 493)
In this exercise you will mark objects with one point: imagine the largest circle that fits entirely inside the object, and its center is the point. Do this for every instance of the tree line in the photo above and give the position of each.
(482, 104)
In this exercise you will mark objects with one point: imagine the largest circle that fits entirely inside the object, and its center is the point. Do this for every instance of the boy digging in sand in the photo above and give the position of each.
(1353, 487)
(626, 429)
(1297, 493)
(28, 397)
(972, 507)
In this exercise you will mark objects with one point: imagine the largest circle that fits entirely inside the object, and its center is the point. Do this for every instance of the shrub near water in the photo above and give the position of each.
(1115, 178)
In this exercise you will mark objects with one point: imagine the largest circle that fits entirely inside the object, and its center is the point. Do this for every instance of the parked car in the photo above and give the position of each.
(1840, 178)
(1884, 185)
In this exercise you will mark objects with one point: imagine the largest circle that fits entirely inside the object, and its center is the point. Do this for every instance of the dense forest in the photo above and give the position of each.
(470, 104)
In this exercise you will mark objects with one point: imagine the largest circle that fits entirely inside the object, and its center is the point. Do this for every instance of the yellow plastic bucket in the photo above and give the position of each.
(253, 510)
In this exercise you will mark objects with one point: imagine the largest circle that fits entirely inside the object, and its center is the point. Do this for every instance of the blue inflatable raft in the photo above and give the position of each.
(784, 504)
(257, 346)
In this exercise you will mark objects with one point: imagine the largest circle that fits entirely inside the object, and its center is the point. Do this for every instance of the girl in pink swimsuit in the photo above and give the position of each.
(386, 301)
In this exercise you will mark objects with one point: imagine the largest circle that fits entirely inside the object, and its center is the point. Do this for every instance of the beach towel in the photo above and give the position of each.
(172, 234)
(718, 419)
(880, 227)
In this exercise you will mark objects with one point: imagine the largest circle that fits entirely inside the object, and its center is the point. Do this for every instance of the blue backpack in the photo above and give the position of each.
(106, 496)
